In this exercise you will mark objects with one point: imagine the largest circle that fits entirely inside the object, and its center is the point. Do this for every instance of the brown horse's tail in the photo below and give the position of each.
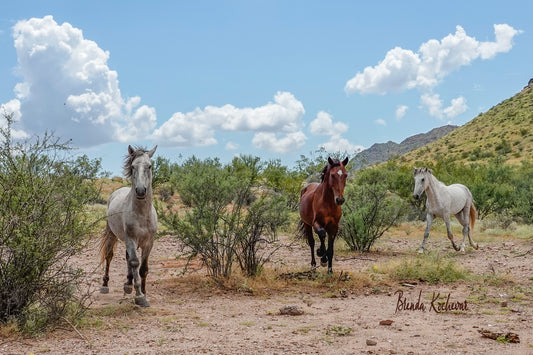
(107, 244)
(301, 230)
(473, 215)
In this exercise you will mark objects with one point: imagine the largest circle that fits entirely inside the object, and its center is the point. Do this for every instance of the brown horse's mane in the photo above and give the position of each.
(336, 162)
(129, 158)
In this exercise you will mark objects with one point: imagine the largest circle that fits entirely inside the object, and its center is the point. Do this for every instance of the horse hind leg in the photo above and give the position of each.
(466, 228)
(306, 231)
(108, 244)
(472, 221)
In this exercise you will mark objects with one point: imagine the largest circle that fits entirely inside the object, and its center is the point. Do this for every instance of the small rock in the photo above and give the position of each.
(291, 310)
(504, 304)
(386, 322)
(371, 342)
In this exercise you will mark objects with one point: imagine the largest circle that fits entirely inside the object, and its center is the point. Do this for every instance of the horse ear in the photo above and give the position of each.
(330, 161)
(151, 153)
(130, 150)
(345, 161)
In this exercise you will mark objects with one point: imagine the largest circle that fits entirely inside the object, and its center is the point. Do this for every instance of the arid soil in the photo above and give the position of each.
(189, 314)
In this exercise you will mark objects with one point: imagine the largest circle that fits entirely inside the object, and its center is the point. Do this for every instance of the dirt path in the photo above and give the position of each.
(185, 317)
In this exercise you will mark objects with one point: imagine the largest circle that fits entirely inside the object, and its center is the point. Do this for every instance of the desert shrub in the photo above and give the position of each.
(43, 196)
(288, 183)
(370, 210)
(230, 216)
(426, 268)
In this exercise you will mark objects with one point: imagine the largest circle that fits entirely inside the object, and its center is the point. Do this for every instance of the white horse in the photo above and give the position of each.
(131, 217)
(443, 201)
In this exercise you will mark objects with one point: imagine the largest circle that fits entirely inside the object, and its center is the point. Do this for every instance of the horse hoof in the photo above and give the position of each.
(420, 251)
(104, 289)
(141, 301)
(128, 289)
(320, 252)
(323, 263)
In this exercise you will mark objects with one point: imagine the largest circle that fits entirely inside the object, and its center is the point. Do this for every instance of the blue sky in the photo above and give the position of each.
(275, 79)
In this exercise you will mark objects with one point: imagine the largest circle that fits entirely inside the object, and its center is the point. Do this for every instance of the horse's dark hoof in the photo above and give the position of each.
(128, 289)
(141, 301)
(320, 252)
(324, 260)
(104, 289)
(323, 264)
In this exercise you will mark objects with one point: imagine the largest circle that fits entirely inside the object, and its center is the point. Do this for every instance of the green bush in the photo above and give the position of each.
(230, 216)
(369, 211)
(43, 224)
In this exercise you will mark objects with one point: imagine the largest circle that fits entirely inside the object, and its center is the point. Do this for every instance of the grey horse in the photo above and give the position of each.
(131, 217)
(443, 201)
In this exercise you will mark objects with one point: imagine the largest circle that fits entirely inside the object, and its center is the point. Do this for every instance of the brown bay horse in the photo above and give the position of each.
(320, 210)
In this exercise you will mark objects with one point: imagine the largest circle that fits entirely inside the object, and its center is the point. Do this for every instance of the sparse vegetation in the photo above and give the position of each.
(44, 193)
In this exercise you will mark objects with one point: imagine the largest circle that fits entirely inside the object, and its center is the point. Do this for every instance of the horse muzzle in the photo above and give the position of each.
(339, 200)
(416, 196)
(140, 192)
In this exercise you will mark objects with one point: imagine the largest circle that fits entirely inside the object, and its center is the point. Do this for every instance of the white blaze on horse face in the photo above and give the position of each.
(339, 172)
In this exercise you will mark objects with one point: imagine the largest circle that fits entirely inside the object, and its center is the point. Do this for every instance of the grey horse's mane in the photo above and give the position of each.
(129, 158)
(336, 162)
(423, 170)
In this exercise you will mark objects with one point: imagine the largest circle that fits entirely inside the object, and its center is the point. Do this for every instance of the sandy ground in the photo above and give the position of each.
(187, 319)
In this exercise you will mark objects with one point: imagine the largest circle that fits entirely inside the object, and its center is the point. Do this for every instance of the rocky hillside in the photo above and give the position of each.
(381, 152)
(504, 132)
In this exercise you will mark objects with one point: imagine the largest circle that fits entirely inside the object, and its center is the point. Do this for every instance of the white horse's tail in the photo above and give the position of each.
(473, 215)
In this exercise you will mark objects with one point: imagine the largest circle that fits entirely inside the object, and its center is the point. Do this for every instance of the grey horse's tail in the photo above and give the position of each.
(107, 241)
(473, 215)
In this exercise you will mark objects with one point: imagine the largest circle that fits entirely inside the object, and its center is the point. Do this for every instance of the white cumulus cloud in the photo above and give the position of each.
(286, 144)
(323, 125)
(401, 111)
(67, 87)
(198, 127)
(433, 104)
(406, 69)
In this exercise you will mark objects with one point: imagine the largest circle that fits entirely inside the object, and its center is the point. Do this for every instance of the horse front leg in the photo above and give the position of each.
(429, 223)
(133, 266)
(429, 220)
(143, 270)
(321, 251)
(449, 232)
(128, 285)
(329, 252)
